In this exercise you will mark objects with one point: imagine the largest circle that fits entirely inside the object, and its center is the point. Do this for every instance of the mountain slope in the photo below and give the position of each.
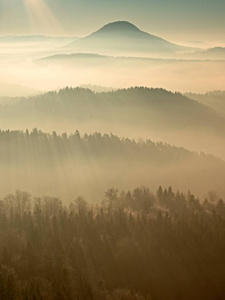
(123, 36)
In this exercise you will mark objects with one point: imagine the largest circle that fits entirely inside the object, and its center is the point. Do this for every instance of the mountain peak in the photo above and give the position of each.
(121, 26)
(123, 37)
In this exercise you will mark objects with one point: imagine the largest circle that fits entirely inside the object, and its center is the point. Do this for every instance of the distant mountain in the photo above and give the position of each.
(216, 50)
(73, 56)
(123, 37)
(211, 53)
(94, 60)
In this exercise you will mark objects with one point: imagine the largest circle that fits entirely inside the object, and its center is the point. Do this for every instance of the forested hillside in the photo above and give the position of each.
(135, 112)
(136, 245)
(69, 165)
(137, 106)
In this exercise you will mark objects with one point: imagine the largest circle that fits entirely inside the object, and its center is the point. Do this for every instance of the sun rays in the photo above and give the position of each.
(41, 17)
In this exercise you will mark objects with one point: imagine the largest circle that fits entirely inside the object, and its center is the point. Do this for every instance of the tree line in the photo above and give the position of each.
(35, 145)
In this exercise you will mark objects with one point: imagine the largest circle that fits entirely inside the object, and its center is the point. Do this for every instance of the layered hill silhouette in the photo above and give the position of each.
(122, 37)
(69, 163)
(134, 112)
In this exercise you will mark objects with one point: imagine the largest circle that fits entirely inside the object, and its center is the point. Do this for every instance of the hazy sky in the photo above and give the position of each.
(181, 20)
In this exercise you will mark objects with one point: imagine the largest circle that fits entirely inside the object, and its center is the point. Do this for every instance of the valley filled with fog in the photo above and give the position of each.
(108, 57)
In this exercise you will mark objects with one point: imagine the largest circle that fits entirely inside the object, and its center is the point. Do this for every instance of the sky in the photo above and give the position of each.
(175, 20)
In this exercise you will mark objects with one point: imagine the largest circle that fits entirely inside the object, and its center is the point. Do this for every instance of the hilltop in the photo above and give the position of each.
(123, 36)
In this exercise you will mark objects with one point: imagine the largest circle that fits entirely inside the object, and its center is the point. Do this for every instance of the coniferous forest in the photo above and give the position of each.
(133, 245)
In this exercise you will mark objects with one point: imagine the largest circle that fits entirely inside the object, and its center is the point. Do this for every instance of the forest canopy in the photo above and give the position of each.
(134, 245)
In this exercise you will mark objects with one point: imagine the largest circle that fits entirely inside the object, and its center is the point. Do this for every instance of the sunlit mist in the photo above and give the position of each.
(41, 17)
